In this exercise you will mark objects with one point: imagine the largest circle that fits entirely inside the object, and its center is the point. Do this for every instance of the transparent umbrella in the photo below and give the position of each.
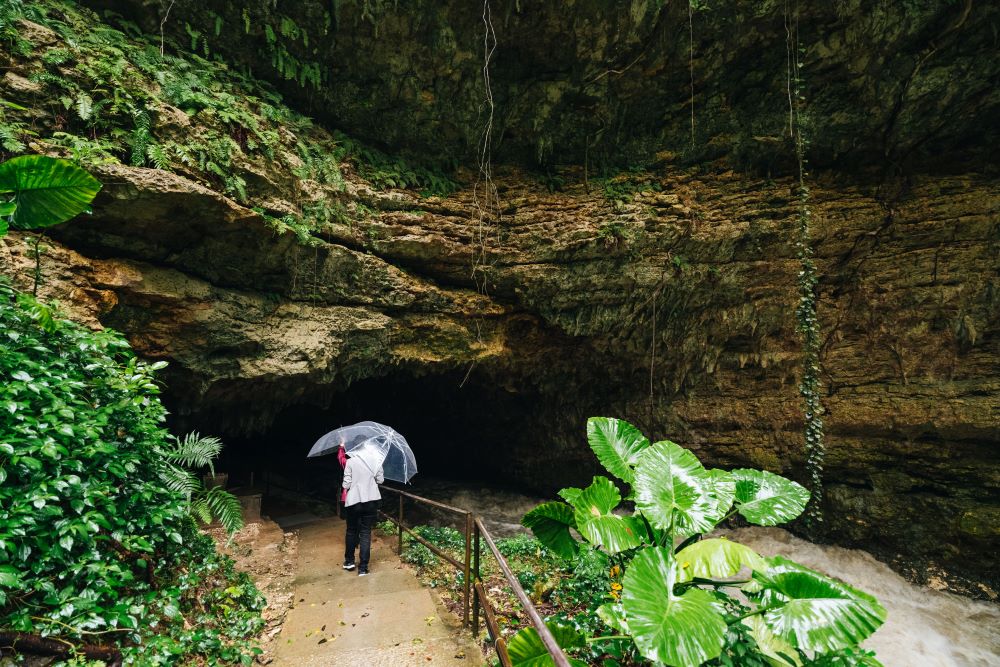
(381, 444)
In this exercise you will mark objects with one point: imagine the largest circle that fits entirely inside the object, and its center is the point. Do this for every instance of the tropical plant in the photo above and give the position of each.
(94, 548)
(682, 593)
(195, 451)
(40, 191)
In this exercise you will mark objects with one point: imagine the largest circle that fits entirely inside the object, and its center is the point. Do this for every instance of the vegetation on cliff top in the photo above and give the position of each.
(103, 91)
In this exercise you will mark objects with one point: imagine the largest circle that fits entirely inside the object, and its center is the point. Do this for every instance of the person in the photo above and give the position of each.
(342, 460)
(362, 475)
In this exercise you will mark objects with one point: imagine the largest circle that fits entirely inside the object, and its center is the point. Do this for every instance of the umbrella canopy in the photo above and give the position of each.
(376, 443)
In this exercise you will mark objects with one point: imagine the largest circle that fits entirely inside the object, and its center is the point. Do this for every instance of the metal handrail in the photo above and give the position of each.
(536, 619)
(475, 530)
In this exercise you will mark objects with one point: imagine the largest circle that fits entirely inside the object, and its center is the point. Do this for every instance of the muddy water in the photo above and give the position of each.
(925, 628)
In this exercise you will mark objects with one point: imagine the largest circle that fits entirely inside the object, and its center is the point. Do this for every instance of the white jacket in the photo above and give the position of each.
(361, 483)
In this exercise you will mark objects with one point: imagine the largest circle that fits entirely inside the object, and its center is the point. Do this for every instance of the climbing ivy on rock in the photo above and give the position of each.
(95, 549)
(806, 312)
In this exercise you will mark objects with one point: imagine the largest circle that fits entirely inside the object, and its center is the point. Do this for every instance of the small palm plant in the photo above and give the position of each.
(191, 453)
(681, 593)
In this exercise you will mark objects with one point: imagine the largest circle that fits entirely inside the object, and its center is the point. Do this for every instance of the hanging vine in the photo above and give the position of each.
(484, 193)
(691, 4)
(806, 317)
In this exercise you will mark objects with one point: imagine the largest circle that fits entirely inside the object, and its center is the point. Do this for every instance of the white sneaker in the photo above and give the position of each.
(348, 566)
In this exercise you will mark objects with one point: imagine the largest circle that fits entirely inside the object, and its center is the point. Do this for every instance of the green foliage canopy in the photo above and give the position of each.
(91, 539)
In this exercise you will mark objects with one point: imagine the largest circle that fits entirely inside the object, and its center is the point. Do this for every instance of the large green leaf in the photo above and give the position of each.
(617, 445)
(672, 489)
(677, 630)
(779, 652)
(550, 522)
(570, 494)
(598, 525)
(722, 490)
(767, 499)
(46, 191)
(526, 649)
(613, 616)
(716, 558)
(814, 612)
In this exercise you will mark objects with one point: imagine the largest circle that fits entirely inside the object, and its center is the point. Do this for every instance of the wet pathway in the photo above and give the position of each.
(386, 618)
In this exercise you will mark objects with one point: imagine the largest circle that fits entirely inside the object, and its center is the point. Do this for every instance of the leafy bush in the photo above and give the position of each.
(195, 451)
(680, 596)
(94, 548)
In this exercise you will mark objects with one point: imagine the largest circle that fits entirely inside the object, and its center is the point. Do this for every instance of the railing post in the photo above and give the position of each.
(468, 570)
(399, 525)
(475, 574)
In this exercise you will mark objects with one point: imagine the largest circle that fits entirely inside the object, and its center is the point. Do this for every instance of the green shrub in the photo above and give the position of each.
(94, 548)
(684, 600)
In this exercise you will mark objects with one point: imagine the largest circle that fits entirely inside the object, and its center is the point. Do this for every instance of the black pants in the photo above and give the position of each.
(360, 520)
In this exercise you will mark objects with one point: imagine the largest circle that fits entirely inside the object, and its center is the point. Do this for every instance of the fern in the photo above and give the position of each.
(158, 157)
(195, 35)
(84, 106)
(140, 139)
(236, 185)
(180, 480)
(195, 451)
(225, 507)
(200, 510)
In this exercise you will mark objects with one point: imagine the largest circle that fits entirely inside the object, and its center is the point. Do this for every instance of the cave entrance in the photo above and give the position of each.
(461, 432)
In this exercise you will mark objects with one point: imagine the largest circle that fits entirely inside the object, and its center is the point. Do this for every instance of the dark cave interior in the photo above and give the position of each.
(460, 429)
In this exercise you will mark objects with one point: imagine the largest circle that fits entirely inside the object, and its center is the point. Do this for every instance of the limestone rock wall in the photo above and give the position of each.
(612, 81)
(664, 295)
(577, 290)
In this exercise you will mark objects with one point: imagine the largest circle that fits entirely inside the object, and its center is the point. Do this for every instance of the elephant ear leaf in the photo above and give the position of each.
(716, 558)
(767, 499)
(45, 190)
(596, 522)
(617, 445)
(550, 522)
(668, 628)
(779, 652)
(673, 490)
(613, 616)
(722, 492)
(525, 649)
(813, 612)
(570, 494)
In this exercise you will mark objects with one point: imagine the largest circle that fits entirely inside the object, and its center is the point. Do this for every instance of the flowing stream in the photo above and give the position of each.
(925, 627)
